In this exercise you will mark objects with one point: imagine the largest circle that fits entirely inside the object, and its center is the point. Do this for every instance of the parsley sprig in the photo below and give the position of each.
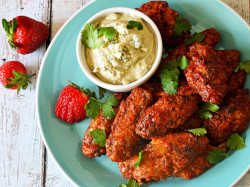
(132, 24)
(90, 35)
(170, 72)
(196, 37)
(243, 66)
(93, 107)
(207, 109)
(139, 159)
(198, 131)
(102, 91)
(130, 183)
(98, 136)
(236, 142)
(181, 26)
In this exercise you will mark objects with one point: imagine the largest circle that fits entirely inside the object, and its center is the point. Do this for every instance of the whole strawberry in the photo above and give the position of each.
(25, 34)
(71, 103)
(13, 75)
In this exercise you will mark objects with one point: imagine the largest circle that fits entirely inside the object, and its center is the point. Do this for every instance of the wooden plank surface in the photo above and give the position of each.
(24, 160)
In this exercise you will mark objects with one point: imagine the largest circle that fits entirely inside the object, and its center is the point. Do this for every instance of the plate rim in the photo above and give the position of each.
(39, 79)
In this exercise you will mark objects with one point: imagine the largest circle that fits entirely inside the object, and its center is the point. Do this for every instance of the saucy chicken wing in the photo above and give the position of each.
(165, 18)
(236, 80)
(89, 147)
(232, 117)
(123, 141)
(164, 157)
(168, 113)
(206, 73)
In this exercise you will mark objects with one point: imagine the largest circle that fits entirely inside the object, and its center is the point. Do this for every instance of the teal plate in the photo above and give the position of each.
(60, 64)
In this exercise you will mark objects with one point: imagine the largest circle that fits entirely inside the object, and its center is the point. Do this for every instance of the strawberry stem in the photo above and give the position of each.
(20, 80)
(9, 29)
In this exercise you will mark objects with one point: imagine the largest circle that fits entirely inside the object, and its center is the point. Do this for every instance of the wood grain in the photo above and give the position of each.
(20, 142)
(24, 160)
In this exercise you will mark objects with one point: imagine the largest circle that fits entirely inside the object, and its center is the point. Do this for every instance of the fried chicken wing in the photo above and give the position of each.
(165, 18)
(89, 147)
(123, 141)
(232, 117)
(230, 58)
(236, 80)
(164, 157)
(212, 37)
(206, 74)
(168, 113)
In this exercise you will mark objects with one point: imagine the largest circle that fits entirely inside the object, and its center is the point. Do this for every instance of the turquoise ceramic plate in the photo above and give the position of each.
(64, 141)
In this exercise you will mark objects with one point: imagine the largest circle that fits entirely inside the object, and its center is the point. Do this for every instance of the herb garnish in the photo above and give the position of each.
(216, 156)
(130, 183)
(206, 109)
(181, 26)
(108, 32)
(198, 131)
(98, 136)
(102, 91)
(132, 24)
(235, 142)
(243, 66)
(170, 73)
(196, 37)
(139, 159)
(93, 106)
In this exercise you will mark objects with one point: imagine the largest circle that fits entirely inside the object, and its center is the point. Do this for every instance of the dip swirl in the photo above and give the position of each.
(126, 58)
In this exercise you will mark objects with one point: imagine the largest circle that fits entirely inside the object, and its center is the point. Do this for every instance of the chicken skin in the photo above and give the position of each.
(212, 37)
(236, 80)
(206, 73)
(123, 141)
(164, 157)
(165, 18)
(232, 117)
(89, 147)
(168, 113)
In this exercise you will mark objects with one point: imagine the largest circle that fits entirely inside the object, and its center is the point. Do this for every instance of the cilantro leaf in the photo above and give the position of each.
(183, 62)
(243, 66)
(236, 142)
(181, 26)
(216, 156)
(198, 131)
(206, 109)
(204, 114)
(90, 36)
(98, 136)
(107, 109)
(139, 159)
(132, 24)
(108, 32)
(102, 91)
(130, 183)
(92, 108)
(196, 37)
(86, 91)
(169, 74)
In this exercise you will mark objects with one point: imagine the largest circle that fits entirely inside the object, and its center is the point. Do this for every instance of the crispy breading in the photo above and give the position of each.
(165, 18)
(123, 141)
(164, 157)
(232, 117)
(89, 147)
(206, 73)
(168, 113)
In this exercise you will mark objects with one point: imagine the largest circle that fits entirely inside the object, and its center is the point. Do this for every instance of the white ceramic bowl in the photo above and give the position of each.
(80, 52)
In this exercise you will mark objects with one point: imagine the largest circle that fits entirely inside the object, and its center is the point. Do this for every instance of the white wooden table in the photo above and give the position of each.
(23, 157)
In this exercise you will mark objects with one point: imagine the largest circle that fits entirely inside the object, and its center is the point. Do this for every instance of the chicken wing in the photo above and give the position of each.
(123, 141)
(168, 113)
(206, 74)
(164, 156)
(236, 80)
(232, 117)
(212, 37)
(165, 18)
(89, 147)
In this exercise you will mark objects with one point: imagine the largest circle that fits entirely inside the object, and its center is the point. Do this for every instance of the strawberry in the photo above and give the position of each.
(25, 34)
(71, 103)
(13, 75)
